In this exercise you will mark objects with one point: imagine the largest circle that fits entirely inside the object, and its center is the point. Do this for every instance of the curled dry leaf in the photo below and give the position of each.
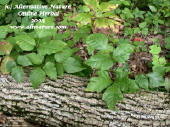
(105, 6)
(106, 26)
(101, 26)
(92, 4)
(4, 63)
(5, 48)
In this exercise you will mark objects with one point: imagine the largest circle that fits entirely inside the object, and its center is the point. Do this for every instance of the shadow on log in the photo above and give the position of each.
(65, 103)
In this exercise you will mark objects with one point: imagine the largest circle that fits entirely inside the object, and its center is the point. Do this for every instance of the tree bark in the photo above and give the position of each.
(65, 103)
(14, 121)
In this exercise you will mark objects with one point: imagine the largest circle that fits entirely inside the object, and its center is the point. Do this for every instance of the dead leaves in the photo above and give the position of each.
(107, 26)
(5, 48)
(3, 68)
(138, 63)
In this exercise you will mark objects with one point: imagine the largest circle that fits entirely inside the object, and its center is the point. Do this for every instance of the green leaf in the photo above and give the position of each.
(159, 69)
(10, 65)
(138, 13)
(4, 62)
(5, 48)
(155, 50)
(100, 61)
(36, 59)
(1, 53)
(18, 74)
(167, 69)
(124, 82)
(122, 52)
(90, 50)
(139, 46)
(60, 69)
(128, 31)
(155, 60)
(121, 73)
(142, 25)
(142, 80)
(97, 41)
(155, 80)
(133, 87)
(85, 8)
(101, 23)
(24, 61)
(127, 12)
(51, 47)
(152, 8)
(98, 84)
(124, 2)
(106, 6)
(167, 40)
(112, 95)
(50, 70)
(82, 18)
(4, 30)
(145, 31)
(92, 4)
(37, 77)
(162, 61)
(42, 33)
(122, 40)
(72, 65)
(4, 2)
(83, 32)
(61, 36)
(136, 30)
(50, 58)
(63, 55)
(25, 42)
(126, 85)
(167, 84)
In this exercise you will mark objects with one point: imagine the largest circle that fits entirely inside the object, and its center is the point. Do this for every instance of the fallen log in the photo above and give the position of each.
(65, 103)
(12, 121)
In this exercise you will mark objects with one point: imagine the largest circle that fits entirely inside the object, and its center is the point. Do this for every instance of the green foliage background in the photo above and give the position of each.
(50, 53)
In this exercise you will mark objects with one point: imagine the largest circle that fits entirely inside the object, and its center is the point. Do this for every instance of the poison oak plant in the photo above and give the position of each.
(107, 56)
(100, 17)
(160, 67)
(103, 60)
(36, 49)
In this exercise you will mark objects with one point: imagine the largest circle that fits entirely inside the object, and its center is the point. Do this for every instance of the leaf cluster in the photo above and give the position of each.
(46, 56)
(100, 16)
